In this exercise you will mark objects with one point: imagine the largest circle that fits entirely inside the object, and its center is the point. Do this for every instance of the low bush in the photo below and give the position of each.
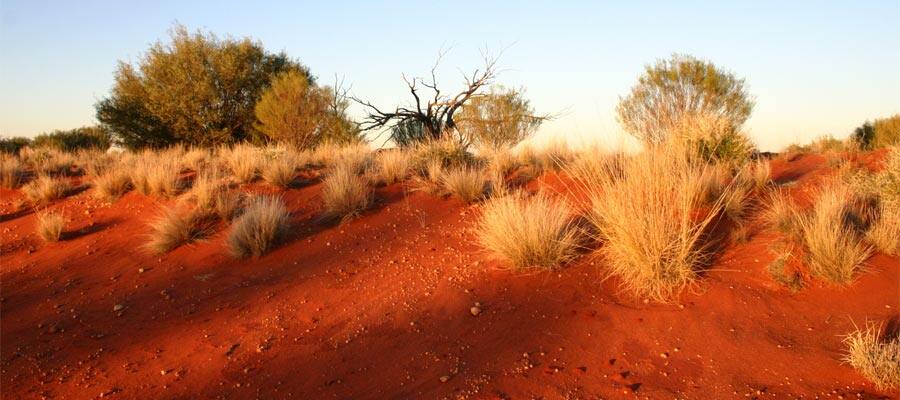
(875, 355)
(12, 172)
(527, 232)
(392, 166)
(175, 227)
(112, 184)
(50, 225)
(344, 192)
(264, 222)
(45, 189)
(279, 170)
(466, 183)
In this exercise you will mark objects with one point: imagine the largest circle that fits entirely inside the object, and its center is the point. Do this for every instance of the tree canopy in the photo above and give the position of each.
(500, 118)
(677, 87)
(196, 89)
(295, 110)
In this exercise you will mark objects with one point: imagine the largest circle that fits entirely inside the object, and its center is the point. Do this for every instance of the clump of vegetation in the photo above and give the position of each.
(50, 225)
(244, 161)
(833, 247)
(175, 227)
(88, 137)
(778, 268)
(875, 355)
(714, 138)
(498, 119)
(264, 222)
(884, 233)
(679, 87)
(650, 212)
(884, 132)
(527, 232)
(12, 173)
(280, 170)
(466, 183)
(112, 184)
(295, 110)
(13, 145)
(207, 100)
(344, 192)
(782, 214)
(45, 189)
(392, 166)
(156, 175)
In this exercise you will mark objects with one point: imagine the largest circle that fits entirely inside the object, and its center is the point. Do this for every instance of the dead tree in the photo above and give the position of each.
(436, 114)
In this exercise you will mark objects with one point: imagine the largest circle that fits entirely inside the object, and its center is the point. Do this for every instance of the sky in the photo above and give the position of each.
(814, 67)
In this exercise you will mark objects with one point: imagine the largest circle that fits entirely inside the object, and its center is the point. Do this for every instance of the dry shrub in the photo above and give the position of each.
(175, 227)
(344, 193)
(211, 195)
(875, 355)
(884, 232)
(45, 189)
(466, 183)
(195, 159)
(782, 214)
(156, 174)
(356, 157)
(12, 173)
(650, 212)
(761, 172)
(50, 225)
(244, 161)
(280, 170)
(264, 222)
(392, 166)
(529, 232)
(778, 268)
(112, 184)
(833, 247)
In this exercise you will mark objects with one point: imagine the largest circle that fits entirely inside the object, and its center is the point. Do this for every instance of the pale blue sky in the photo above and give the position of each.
(815, 67)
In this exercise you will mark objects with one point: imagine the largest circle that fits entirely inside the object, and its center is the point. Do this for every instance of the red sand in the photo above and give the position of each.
(379, 308)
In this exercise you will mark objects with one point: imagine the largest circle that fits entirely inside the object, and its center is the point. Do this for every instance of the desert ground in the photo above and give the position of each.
(401, 301)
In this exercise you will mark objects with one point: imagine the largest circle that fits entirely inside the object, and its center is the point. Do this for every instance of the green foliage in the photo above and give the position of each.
(87, 137)
(884, 132)
(499, 119)
(678, 86)
(408, 133)
(12, 145)
(296, 111)
(198, 89)
(714, 139)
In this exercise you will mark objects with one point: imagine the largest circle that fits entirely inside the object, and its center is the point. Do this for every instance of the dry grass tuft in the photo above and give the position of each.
(875, 355)
(112, 184)
(156, 174)
(244, 161)
(782, 214)
(45, 189)
(12, 172)
(647, 210)
(833, 247)
(264, 222)
(529, 232)
(175, 227)
(466, 183)
(884, 233)
(279, 171)
(392, 166)
(344, 193)
(211, 195)
(50, 225)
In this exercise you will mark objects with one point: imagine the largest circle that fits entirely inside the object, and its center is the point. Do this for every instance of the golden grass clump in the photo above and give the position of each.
(50, 225)
(344, 193)
(244, 161)
(392, 166)
(280, 170)
(111, 184)
(464, 183)
(834, 250)
(211, 195)
(875, 355)
(45, 189)
(884, 232)
(264, 222)
(175, 227)
(782, 214)
(646, 209)
(155, 174)
(525, 232)
(12, 172)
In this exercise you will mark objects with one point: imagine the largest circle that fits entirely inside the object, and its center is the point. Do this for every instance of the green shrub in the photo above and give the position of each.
(13, 145)
(87, 137)
(883, 132)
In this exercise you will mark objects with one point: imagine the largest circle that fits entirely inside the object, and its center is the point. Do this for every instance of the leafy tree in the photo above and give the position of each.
(197, 89)
(679, 86)
(86, 137)
(500, 118)
(296, 111)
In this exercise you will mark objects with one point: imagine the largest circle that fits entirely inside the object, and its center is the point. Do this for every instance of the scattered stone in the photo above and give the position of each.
(118, 307)
(475, 310)
(445, 378)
